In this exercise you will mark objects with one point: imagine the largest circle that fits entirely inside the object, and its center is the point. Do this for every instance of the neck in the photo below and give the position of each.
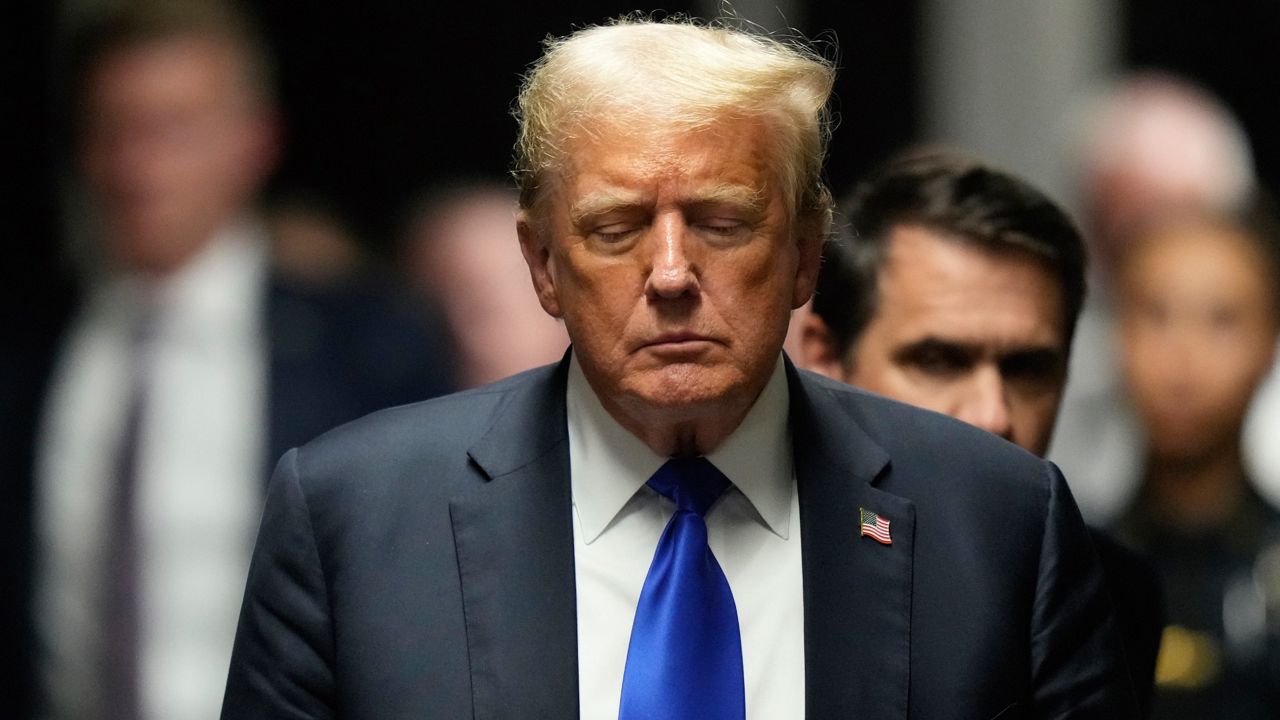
(1196, 494)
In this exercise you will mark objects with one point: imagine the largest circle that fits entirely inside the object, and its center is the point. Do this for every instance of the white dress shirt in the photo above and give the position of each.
(1261, 428)
(754, 531)
(199, 477)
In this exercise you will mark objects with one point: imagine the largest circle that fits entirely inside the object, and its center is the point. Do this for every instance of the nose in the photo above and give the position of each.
(985, 403)
(672, 274)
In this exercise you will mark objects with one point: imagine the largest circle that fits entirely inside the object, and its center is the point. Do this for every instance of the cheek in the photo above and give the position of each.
(873, 370)
(936, 397)
(596, 303)
(1143, 360)
(1251, 351)
(1035, 411)
(756, 297)
(1230, 361)
(1234, 381)
(230, 157)
(769, 261)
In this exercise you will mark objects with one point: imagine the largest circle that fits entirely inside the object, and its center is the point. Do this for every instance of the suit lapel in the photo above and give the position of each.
(514, 539)
(857, 591)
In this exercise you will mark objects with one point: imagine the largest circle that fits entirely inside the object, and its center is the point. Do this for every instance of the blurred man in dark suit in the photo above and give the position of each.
(955, 287)
(673, 522)
(187, 364)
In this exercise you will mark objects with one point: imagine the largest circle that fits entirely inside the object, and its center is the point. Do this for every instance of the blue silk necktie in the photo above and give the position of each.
(685, 657)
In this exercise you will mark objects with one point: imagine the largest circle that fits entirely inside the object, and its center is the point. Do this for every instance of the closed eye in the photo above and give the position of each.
(1036, 367)
(614, 232)
(724, 227)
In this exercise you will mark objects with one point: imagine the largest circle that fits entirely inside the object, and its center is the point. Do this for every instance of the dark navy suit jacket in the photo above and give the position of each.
(335, 352)
(418, 563)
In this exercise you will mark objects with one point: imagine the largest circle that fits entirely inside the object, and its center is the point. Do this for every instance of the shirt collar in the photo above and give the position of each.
(608, 464)
(214, 296)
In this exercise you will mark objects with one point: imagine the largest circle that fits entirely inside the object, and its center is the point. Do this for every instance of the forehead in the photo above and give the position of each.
(646, 159)
(1198, 260)
(937, 286)
(174, 67)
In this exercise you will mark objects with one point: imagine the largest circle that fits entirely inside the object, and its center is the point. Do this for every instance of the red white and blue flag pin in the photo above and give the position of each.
(875, 527)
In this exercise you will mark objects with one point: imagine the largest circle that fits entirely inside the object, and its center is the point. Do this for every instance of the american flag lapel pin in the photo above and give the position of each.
(875, 527)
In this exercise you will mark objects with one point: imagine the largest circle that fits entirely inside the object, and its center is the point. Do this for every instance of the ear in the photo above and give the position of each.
(536, 248)
(818, 351)
(809, 249)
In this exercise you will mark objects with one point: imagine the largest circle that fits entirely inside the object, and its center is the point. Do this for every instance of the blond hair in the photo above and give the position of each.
(678, 75)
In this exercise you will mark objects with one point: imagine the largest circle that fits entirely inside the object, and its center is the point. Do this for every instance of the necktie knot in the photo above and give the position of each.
(693, 484)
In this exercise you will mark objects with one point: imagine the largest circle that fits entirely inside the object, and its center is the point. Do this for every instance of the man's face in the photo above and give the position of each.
(671, 258)
(968, 332)
(1198, 332)
(175, 143)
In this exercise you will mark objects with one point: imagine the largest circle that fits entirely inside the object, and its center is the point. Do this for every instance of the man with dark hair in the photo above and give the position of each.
(955, 287)
(188, 365)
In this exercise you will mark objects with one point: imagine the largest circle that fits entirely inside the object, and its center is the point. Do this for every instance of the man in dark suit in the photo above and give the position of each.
(672, 522)
(142, 419)
(955, 286)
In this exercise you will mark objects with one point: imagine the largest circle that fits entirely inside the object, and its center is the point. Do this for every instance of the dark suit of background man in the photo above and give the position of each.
(956, 287)
(489, 554)
(137, 468)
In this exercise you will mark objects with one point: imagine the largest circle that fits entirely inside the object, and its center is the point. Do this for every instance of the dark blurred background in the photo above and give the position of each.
(382, 98)
(389, 107)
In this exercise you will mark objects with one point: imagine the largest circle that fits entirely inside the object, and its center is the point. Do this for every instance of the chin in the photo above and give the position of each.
(1182, 445)
(686, 389)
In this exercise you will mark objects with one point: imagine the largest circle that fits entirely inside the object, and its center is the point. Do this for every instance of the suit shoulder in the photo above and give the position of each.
(447, 424)
(363, 324)
(886, 420)
(926, 444)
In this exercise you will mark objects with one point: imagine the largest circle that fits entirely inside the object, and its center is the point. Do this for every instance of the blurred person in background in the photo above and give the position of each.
(461, 253)
(189, 365)
(1153, 143)
(1198, 305)
(956, 287)
(311, 243)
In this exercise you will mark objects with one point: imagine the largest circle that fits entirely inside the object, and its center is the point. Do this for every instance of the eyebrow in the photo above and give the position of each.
(600, 203)
(932, 343)
(751, 199)
(972, 350)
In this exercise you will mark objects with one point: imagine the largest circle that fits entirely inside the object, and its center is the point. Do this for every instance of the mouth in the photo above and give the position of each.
(678, 342)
